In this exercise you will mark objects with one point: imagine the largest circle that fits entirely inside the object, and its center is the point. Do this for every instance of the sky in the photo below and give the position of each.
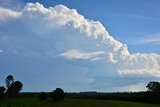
(104, 45)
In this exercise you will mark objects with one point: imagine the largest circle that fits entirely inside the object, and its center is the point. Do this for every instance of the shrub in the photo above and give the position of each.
(42, 96)
(57, 94)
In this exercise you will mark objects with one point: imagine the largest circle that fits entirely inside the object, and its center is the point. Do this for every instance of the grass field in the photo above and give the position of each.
(32, 102)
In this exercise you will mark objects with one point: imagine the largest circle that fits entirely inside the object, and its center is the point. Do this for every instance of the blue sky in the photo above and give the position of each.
(54, 47)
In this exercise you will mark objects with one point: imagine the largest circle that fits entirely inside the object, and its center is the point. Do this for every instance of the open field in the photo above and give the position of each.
(33, 102)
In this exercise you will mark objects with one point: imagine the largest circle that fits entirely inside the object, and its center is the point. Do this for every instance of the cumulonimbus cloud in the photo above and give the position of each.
(58, 31)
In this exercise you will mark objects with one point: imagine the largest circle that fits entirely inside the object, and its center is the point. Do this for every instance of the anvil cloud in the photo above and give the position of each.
(82, 46)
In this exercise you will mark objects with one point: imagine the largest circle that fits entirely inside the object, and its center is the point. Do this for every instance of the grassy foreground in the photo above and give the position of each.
(32, 102)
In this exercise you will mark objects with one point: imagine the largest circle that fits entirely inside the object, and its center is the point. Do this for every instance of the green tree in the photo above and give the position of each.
(9, 80)
(57, 94)
(2, 90)
(153, 86)
(14, 89)
(42, 96)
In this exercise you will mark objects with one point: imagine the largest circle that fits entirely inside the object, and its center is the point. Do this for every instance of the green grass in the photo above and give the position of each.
(20, 102)
(33, 102)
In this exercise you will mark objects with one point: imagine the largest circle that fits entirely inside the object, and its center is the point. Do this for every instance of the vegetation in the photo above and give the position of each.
(153, 86)
(2, 90)
(147, 97)
(12, 88)
(82, 99)
(33, 102)
(42, 96)
(57, 94)
(9, 80)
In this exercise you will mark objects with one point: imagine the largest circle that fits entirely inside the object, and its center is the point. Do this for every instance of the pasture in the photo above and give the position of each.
(34, 102)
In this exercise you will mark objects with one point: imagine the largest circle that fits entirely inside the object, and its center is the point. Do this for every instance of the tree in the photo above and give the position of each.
(42, 96)
(153, 86)
(2, 90)
(14, 89)
(57, 94)
(9, 80)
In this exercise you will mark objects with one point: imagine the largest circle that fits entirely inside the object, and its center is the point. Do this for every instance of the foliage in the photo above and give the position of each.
(57, 94)
(9, 80)
(14, 89)
(148, 97)
(2, 90)
(153, 86)
(42, 96)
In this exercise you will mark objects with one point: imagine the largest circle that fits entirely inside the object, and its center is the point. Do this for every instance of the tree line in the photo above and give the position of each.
(56, 95)
(152, 95)
(13, 88)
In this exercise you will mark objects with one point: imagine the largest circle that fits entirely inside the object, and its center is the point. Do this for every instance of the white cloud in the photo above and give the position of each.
(140, 64)
(7, 13)
(77, 54)
(150, 39)
(134, 88)
(59, 32)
